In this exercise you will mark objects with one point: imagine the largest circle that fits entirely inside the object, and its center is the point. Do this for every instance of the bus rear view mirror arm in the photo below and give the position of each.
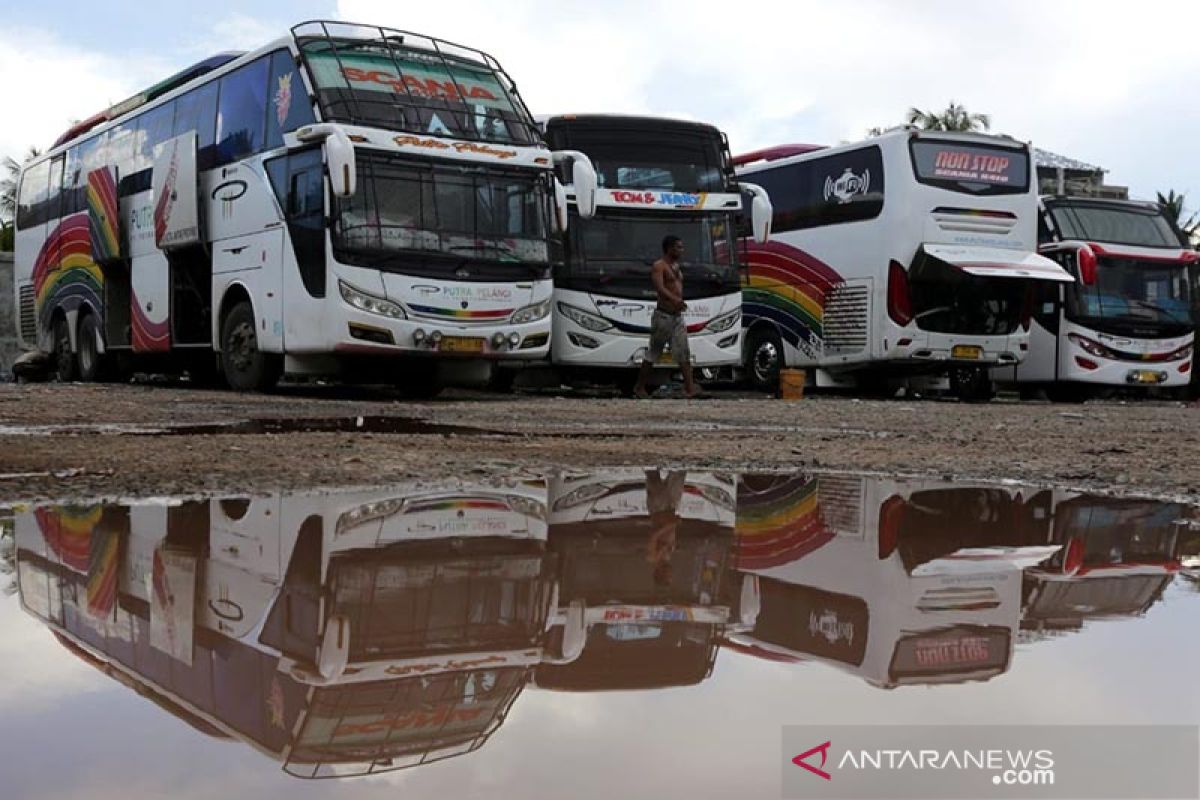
(583, 180)
(339, 156)
(760, 212)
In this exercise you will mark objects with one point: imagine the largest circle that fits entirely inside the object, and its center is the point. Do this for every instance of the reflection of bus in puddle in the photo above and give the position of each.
(341, 634)
(645, 561)
(897, 582)
(1117, 557)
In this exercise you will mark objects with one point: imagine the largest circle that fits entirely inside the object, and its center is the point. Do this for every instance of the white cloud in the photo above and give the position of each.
(1090, 79)
(49, 83)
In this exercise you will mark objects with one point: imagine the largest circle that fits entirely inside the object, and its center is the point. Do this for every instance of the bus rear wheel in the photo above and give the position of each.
(66, 365)
(246, 368)
(764, 359)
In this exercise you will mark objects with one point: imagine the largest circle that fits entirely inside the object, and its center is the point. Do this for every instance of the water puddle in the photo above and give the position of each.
(672, 621)
(256, 426)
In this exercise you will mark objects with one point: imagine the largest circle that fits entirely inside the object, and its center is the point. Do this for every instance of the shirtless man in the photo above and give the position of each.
(666, 323)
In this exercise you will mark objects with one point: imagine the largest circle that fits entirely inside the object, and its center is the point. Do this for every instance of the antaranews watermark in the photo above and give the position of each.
(1101, 762)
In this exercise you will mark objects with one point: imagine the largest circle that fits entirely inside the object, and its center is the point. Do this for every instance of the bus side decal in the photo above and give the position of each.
(788, 286)
(779, 526)
(148, 336)
(75, 279)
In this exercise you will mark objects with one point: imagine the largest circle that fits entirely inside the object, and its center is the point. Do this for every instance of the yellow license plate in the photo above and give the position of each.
(967, 351)
(666, 357)
(1146, 376)
(461, 344)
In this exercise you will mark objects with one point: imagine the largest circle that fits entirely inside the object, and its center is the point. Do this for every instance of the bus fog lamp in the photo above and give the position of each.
(514, 339)
(418, 336)
(497, 340)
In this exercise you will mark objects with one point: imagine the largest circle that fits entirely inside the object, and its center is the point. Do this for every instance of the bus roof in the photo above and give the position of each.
(632, 120)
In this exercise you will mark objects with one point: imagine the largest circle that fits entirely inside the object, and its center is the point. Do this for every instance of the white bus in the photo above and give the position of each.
(655, 177)
(345, 199)
(340, 634)
(1127, 321)
(907, 255)
(899, 583)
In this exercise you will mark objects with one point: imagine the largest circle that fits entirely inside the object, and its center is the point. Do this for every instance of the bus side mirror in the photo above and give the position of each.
(761, 212)
(1086, 260)
(343, 172)
(560, 206)
(339, 156)
(583, 180)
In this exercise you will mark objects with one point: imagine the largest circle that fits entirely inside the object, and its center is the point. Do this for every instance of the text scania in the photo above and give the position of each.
(409, 84)
(994, 760)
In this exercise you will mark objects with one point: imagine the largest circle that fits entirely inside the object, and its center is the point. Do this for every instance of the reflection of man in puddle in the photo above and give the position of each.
(663, 495)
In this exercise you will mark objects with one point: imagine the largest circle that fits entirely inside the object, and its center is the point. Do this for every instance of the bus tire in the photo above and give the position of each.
(66, 365)
(764, 359)
(246, 368)
(93, 365)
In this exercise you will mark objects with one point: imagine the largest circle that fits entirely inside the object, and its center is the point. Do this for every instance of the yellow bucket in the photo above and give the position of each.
(791, 384)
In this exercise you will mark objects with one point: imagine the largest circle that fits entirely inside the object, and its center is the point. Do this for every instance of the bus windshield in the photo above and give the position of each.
(404, 82)
(622, 247)
(460, 212)
(1128, 292)
(1118, 225)
(646, 154)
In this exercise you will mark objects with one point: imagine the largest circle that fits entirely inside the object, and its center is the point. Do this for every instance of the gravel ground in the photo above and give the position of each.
(90, 441)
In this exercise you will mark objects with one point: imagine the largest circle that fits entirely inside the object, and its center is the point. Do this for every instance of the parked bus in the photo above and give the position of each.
(1127, 320)
(645, 559)
(340, 634)
(900, 583)
(655, 177)
(907, 257)
(1116, 558)
(345, 199)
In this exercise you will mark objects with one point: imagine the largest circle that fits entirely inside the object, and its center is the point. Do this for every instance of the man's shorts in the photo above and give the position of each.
(668, 329)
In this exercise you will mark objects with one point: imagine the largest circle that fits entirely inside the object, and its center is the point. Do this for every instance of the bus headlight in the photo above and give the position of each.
(370, 303)
(724, 322)
(531, 313)
(1176, 355)
(584, 318)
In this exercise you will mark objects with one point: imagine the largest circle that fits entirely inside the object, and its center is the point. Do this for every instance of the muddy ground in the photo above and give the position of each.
(63, 441)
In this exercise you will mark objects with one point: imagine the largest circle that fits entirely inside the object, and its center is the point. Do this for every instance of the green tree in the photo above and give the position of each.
(8, 196)
(1173, 208)
(955, 117)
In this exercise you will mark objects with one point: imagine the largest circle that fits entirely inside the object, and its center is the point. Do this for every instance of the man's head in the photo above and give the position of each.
(672, 247)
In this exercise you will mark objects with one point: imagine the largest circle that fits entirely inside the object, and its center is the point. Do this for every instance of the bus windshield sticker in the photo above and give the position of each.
(984, 166)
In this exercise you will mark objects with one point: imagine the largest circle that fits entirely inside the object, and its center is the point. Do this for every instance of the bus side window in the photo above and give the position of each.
(288, 106)
(197, 111)
(31, 198)
(298, 180)
(241, 112)
(153, 128)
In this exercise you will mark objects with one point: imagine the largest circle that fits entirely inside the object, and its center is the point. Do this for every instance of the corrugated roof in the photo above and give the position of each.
(1044, 158)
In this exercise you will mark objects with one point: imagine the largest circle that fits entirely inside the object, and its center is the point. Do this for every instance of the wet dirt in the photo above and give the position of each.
(57, 440)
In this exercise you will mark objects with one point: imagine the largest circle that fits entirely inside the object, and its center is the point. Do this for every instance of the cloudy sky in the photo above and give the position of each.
(1105, 82)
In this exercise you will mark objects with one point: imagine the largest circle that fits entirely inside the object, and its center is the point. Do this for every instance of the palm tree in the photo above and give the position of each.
(954, 118)
(1172, 208)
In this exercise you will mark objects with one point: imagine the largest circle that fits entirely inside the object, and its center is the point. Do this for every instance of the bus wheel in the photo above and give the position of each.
(764, 359)
(419, 380)
(66, 366)
(246, 368)
(93, 365)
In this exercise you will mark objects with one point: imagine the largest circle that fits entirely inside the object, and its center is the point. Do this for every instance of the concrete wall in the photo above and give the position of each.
(8, 317)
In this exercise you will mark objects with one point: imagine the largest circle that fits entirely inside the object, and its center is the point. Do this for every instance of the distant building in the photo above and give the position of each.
(1061, 175)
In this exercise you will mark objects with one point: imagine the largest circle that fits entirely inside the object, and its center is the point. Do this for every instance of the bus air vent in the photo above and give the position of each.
(847, 310)
(28, 316)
